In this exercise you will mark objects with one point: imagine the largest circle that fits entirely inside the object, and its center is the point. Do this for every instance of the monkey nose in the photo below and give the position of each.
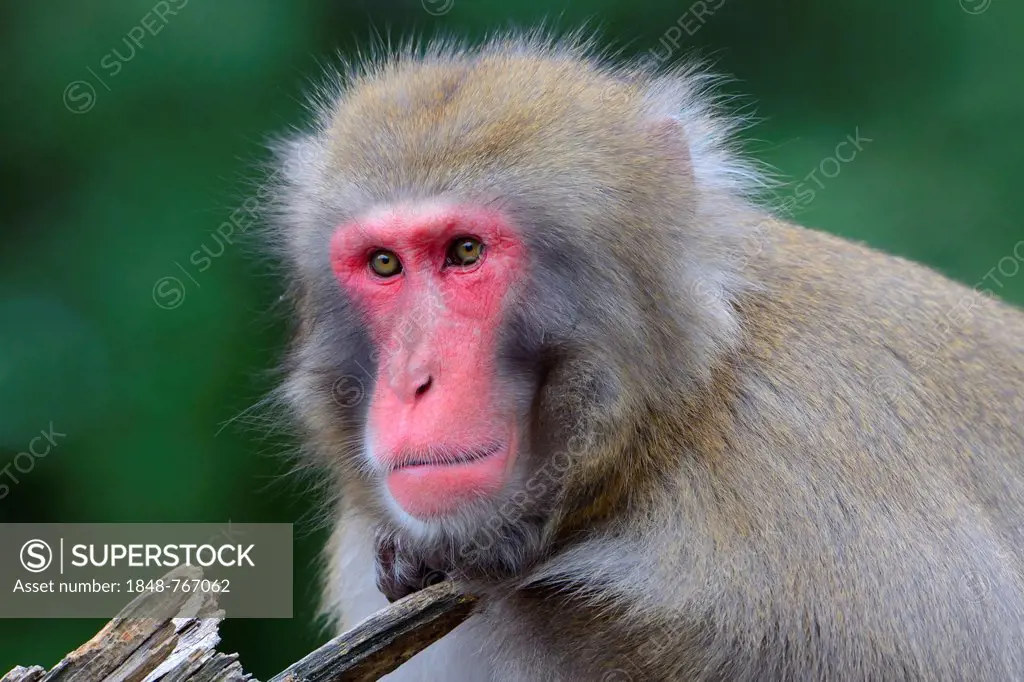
(424, 386)
(410, 386)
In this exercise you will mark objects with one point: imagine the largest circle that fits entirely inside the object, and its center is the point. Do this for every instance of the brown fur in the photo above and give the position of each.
(824, 528)
(817, 471)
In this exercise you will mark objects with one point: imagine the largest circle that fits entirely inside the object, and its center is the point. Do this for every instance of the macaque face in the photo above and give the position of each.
(432, 283)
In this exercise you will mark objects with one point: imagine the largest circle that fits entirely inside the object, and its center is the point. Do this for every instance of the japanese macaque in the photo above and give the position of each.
(549, 342)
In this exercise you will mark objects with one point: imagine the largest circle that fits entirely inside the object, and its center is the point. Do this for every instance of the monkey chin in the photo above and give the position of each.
(438, 490)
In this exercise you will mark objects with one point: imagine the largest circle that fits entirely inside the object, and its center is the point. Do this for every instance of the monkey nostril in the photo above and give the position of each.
(424, 386)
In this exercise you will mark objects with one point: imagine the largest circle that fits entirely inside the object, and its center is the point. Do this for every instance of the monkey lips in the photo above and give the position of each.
(442, 480)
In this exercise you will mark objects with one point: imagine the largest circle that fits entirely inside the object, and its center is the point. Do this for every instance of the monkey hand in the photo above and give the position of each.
(400, 572)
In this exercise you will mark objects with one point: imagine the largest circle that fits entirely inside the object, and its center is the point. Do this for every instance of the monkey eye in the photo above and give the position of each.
(385, 263)
(464, 251)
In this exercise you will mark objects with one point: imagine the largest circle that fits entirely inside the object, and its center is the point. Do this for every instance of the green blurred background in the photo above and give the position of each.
(118, 166)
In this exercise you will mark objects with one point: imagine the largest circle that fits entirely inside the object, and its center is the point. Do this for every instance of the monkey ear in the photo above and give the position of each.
(668, 133)
(296, 178)
(298, 159)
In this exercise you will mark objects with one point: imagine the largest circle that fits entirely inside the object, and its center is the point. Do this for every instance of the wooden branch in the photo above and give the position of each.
(386, 639)
(171, 637)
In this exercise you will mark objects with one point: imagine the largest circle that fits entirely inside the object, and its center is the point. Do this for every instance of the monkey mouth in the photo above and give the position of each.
(444, 456)
(438, 482)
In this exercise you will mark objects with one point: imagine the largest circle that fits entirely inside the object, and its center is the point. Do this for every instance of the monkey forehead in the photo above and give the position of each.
(425, 220)
(425, 226)
(432, 122)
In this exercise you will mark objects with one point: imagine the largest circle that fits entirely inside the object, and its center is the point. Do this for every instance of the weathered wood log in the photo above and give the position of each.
(172, 637)
(386, 639)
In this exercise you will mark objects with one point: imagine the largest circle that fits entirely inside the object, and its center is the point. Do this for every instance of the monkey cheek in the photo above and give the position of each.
(435, 490)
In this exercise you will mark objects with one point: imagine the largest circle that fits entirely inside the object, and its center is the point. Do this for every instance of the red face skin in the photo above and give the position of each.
(438, 425)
